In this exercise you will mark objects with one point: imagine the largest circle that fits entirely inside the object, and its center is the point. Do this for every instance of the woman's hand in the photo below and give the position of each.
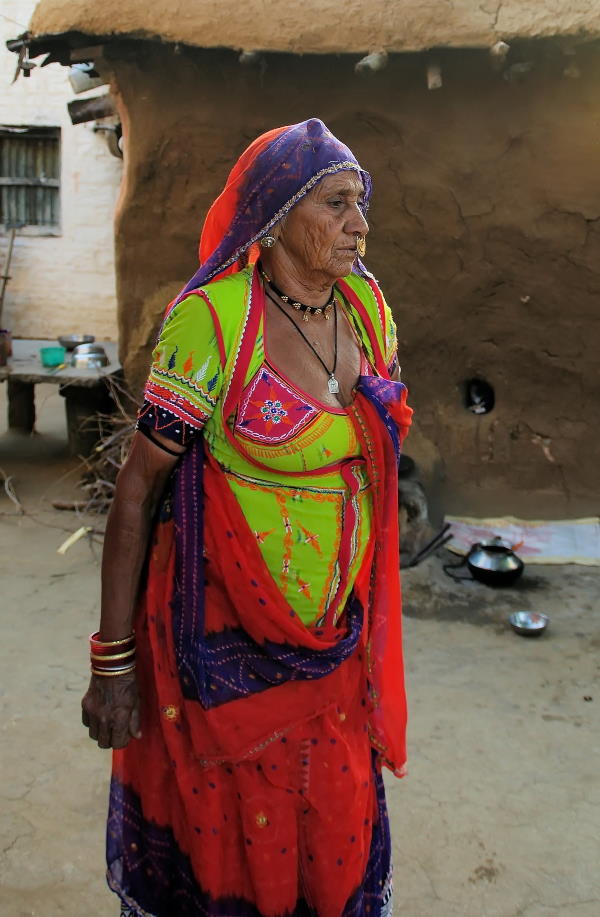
(111, 710)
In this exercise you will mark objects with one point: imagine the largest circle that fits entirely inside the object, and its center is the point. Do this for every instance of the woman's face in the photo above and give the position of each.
(319, 234)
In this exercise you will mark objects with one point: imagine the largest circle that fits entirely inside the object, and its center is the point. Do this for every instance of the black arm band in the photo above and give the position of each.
(148, 434)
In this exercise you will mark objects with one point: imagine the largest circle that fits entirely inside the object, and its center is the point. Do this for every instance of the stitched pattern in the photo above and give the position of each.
(270, 411)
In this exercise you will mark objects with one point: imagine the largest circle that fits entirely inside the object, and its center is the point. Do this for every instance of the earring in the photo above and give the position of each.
(268, 241)
(361, 246)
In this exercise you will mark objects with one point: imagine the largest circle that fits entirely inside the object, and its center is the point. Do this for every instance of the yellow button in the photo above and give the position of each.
(261, 820)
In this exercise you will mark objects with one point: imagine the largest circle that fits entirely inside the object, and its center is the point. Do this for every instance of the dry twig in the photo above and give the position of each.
(10, 492)
(100, 469)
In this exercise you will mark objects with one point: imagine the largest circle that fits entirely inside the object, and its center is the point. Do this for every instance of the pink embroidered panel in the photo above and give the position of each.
(270, 411)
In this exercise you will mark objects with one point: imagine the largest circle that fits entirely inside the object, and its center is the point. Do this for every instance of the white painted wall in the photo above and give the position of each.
(64, 283)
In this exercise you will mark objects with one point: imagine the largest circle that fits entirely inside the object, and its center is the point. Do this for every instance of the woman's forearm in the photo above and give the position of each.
(126, 541)
(139, 488)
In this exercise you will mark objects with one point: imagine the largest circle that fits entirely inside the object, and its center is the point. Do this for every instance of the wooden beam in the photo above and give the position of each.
(83, 55)
(81, 110)
(23, 182)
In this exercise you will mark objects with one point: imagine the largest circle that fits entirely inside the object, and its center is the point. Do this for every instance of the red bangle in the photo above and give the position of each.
(112, 657)
(110, 647)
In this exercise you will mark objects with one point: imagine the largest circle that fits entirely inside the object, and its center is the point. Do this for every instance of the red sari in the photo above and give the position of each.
(256, 787)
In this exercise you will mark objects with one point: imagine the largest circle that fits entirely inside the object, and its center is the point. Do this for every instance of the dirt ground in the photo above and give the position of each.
(500, 814)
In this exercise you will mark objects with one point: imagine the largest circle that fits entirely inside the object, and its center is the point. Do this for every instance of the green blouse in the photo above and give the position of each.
(294, 464)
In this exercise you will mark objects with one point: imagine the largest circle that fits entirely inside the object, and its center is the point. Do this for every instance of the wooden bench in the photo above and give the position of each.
(86, 391)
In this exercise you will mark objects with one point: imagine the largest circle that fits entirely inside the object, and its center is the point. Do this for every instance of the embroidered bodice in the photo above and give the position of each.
(294, 465)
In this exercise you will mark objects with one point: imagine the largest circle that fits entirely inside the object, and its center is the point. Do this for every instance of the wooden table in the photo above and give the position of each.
(86, 391)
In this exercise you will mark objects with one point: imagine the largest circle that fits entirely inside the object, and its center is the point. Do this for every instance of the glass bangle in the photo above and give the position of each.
(123, 670)
(102, 658)
(113, 668)
(94, 638)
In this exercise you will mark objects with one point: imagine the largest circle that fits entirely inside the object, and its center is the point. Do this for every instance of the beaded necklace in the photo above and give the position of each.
(300, 306)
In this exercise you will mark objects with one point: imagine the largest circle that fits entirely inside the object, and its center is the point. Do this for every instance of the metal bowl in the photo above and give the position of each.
(89, 356)
(89, 348)
(528, 623)
(70, 341)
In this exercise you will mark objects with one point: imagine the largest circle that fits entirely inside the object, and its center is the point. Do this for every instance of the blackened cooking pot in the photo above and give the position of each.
(494, 563)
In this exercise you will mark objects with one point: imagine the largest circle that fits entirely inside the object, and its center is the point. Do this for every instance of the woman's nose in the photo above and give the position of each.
(356, 222)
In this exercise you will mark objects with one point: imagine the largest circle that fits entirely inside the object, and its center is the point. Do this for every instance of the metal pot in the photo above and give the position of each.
(89, 356)
(494, 563)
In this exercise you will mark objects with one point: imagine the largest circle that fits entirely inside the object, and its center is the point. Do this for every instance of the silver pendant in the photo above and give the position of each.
(333, 385)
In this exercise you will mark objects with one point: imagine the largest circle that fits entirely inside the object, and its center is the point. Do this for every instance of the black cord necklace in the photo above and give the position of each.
(332, 383)
(300, 306)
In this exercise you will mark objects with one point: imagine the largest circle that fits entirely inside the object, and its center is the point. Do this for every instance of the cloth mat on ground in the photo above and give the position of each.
(569, 541)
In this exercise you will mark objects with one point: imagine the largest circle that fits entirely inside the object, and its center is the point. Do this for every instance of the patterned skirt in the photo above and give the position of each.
(254, 790)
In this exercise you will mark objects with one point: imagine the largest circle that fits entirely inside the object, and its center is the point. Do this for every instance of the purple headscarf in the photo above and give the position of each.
(276, 171)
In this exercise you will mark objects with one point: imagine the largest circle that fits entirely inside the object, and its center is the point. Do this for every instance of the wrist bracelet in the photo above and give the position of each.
(112, 657)
(111, 673)
(99, 645)
(129, 663)
(116, 656)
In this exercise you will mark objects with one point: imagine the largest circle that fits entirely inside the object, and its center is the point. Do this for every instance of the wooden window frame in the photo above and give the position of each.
(34, 132)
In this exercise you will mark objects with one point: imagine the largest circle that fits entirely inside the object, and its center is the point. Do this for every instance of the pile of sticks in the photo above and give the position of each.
(101, 468)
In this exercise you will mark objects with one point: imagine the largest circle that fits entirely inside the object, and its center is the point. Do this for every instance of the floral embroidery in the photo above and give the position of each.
(273, 411)
(170, 712)
(270, 411)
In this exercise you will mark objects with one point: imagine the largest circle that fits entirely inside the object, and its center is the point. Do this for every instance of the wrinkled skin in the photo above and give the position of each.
(110, 710)
(110, 707)
(316, 245)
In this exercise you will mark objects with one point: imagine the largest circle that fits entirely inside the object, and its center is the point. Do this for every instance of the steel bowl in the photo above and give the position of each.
(89, 348)
(70, 341)
(89, 356)
(528, 623)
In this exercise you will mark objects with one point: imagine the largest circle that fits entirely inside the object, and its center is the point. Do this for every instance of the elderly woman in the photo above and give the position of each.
(253, 547)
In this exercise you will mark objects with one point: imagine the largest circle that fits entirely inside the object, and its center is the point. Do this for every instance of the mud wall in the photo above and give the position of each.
(485, 233)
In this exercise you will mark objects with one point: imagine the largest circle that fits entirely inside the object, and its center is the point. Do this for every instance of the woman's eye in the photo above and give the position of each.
(336, 203)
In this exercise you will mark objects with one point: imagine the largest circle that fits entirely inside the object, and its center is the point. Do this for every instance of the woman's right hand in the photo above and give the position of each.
(111, 710)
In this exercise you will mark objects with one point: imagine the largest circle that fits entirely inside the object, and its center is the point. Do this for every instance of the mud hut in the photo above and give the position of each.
(480, 124)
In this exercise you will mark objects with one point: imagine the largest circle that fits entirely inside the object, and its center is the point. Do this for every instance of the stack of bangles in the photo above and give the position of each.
(112, 657)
